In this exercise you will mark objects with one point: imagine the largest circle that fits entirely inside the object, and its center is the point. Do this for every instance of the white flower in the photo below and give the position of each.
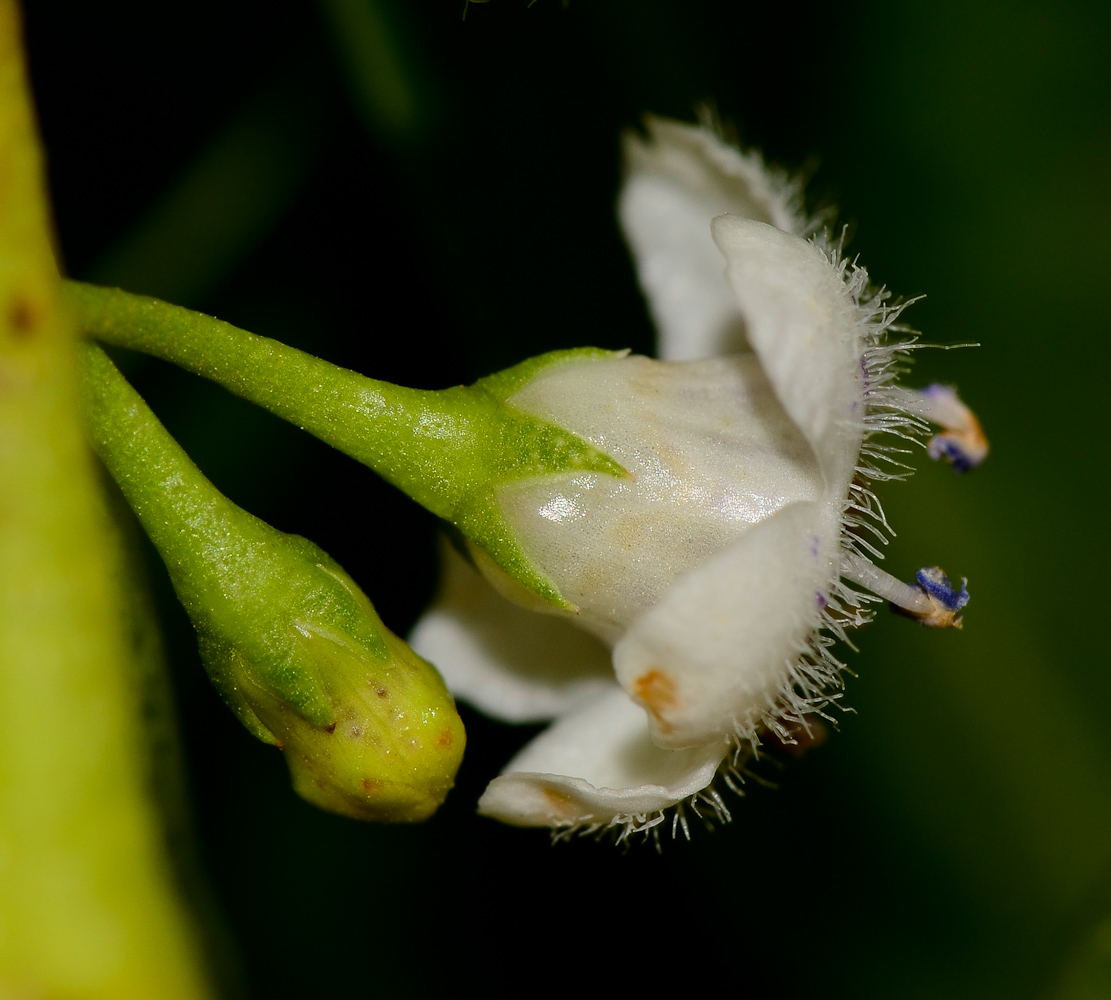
(715, 573)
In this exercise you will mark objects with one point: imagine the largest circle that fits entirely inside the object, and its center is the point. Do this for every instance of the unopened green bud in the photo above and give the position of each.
(449, 449)
(290, 641)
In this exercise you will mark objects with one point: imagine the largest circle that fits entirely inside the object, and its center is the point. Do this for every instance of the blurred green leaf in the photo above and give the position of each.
(224, 202)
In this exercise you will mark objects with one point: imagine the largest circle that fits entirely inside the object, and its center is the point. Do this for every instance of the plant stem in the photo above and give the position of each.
(204, 538)
(86, 905)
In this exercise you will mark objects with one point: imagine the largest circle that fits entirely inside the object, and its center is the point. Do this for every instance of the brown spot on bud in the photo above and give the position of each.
(370, 787)
(330, 729)
(382, 693)
(655, 690)
(445, 739)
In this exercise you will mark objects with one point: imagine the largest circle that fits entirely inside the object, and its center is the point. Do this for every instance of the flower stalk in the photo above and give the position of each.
(448, 449)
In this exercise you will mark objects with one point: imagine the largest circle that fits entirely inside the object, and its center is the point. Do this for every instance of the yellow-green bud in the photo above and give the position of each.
(367, 727)
(293, 645)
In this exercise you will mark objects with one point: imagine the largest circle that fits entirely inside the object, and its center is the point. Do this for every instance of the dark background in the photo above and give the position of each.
(427, 199)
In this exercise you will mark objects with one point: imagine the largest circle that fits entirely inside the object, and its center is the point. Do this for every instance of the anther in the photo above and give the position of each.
(932, 600)
(962, 443)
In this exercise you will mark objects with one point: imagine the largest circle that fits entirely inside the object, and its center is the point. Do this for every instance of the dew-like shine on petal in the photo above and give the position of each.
(710, 450)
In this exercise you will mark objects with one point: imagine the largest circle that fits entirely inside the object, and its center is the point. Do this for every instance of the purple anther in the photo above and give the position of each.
(961, 443)
(938, 586)
(943, 446)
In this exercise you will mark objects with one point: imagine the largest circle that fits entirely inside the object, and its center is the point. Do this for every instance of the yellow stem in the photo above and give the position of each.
(86, 902)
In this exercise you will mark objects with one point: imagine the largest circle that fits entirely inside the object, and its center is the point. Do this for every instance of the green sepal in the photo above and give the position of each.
(449, 449)
(501, 385)
(523, 447)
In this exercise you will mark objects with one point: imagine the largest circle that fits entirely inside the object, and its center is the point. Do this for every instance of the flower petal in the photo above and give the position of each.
(710, 452)
(678, 179)
(803, 324)
(716, 657)
(597, 766)
(513, 664)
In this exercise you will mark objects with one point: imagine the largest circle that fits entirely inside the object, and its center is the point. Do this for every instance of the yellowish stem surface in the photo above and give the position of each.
(87, 907)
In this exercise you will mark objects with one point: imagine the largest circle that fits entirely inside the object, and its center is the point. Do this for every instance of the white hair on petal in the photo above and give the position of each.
(813, 677)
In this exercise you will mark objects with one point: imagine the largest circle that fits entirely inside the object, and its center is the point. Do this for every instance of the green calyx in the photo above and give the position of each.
(448, 449)
(290, 641)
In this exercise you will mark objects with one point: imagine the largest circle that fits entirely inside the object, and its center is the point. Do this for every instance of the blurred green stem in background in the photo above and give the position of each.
(293, 645)
(448, 449)
(390, 82)
(239, 186)
(1087, 974)
(86, 904)
(226, 200)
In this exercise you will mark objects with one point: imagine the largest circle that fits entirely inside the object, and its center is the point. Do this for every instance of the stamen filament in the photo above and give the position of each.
(883, 584)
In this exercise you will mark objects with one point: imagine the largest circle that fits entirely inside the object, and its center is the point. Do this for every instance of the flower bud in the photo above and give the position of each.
(367, 727)
(293, 645)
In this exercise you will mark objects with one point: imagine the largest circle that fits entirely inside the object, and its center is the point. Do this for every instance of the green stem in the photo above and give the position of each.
(202, 536)
(448, 449)
(361, 417)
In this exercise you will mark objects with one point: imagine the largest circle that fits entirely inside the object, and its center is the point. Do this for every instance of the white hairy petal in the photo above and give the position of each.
(510, 663)
(715, 657)
(678, 179)
(803, 324)
(714, 569)
(597, 765)
(710, 451)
